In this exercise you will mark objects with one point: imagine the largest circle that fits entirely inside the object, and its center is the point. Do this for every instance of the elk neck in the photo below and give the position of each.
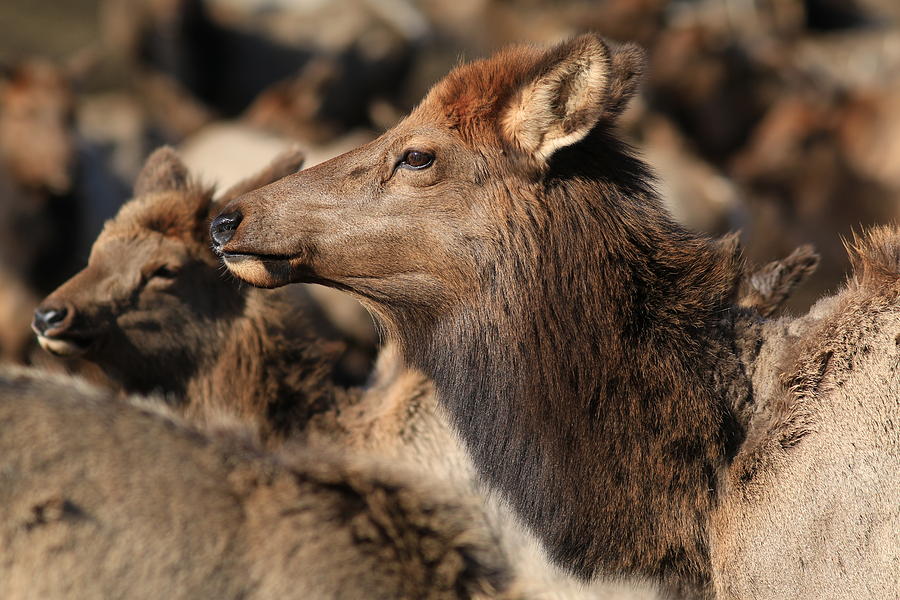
(594, 372)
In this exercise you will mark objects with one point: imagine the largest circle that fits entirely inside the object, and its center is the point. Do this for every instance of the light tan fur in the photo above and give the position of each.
(533, 120)
(811, 509)
(102, 500)
(124, 500)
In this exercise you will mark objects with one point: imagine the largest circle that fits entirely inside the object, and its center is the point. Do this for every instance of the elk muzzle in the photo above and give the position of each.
(261, 270)
(53, 324)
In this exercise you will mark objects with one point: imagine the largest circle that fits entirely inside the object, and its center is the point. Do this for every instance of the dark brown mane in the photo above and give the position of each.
(603, 326)
(583, 342)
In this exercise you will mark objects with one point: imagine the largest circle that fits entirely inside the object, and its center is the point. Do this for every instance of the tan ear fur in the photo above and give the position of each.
(163, 172)
(561, 105)
(627, 69)
(286, 163)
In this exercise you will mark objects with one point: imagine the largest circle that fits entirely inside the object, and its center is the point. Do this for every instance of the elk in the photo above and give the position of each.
(247, 352)
(226, 355)
(481, 231)
(37, 164)
(153, 311)
(104, 499)
(810, 509)
(53, 191)
(586, 347)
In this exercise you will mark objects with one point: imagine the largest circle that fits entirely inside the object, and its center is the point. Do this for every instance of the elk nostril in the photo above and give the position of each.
(223, 227)
(46, 319)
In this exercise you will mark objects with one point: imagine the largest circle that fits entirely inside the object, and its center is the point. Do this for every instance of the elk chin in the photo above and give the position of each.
(258, 271)
(66, 348)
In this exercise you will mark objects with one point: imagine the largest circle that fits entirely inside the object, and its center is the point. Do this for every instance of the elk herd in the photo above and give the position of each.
(575, 397)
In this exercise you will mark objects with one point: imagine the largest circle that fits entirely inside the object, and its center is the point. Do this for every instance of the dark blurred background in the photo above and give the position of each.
(778, 118)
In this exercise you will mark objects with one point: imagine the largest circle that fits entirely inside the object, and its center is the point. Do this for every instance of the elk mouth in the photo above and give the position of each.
(71, 345)
(264, 270)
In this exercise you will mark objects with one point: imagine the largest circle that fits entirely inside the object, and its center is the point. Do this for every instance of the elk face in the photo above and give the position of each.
(153, 302)
(152, 298)
(143, 302)
(382, 220)
(36, 130)
(419, 217)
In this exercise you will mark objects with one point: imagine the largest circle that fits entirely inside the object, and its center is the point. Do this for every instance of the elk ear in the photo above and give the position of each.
(563, 102)
(163, 172)
(286, 163)
(626, 70)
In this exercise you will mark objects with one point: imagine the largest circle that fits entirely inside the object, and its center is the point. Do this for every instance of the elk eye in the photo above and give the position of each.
(163, 272)
(417, 159)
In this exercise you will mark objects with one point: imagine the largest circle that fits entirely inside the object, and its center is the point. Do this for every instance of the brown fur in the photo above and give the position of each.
(581, 341)
(271, 373)
(54, 190)
(207, 343)
(811, 509)
(39, 220)
(226, 351)
(115, 501)
(37, 170)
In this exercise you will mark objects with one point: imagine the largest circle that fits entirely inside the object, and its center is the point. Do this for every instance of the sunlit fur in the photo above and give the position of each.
(579, 338)
(596, 357)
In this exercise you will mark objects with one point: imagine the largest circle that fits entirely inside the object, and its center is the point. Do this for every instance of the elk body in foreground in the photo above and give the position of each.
(587, 348)
(116, 501)
(811, 505)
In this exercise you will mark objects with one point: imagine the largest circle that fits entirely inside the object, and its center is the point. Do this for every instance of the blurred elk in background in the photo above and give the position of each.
(54, 194)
